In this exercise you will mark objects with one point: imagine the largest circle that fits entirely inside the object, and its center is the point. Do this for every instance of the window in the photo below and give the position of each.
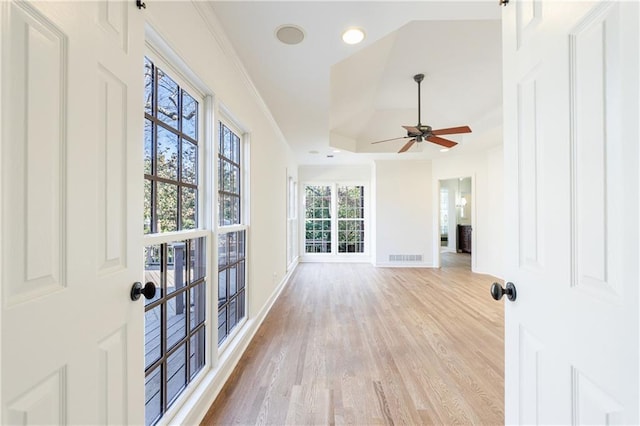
(231, 282)
(334, 219)
(350, 219)
(175, 319)
(170, 154)
(174, 322)
(229, 177)
(317, 224)
(292, 221)
(232, 234)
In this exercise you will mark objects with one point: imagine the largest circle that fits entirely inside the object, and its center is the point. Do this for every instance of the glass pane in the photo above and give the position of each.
(167, 99)
(189, 115)
(222, 287)
(233, 320)
(226, 143)
(197, 352)
(167, 207)
(236, 150)
(241, 282)
(221, 200)
(198, 303)
(232, 178)
(152, 270)
(147, 206)
(226, 176)
(148, 146)
(198, 259)
(222, 250)
(176, 266)
(189, 208)
(227, 214)
(176, 318)
(148, 86)
(241, 305)
(189, 162)
(233, 281)
(152, 324)
(222, 324)
(152, 406)
(233, 247)
(176, 373)
(241, 241)
(167, 155)
(236, 210)
(235, 179)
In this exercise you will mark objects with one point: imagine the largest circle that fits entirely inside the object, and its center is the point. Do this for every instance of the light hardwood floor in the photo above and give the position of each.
(354, 344)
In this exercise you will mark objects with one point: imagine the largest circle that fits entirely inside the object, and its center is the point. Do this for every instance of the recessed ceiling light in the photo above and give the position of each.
(444, 150)
(290, 34)
(353, 36)
(336, 151)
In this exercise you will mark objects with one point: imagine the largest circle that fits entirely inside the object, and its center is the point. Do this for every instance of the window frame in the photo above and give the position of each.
(292, 221)
(360, 220)
(191, 84)
(177, 132)
(225, 118)
(334, 255)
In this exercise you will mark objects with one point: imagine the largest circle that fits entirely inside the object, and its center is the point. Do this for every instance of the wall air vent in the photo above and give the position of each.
(405, 258)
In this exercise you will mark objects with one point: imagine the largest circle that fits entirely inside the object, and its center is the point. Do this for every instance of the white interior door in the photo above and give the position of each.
(72, 340)
(571, 190)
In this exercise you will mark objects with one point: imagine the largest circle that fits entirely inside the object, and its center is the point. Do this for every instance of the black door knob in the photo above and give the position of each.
(497, 291)
(149, 290)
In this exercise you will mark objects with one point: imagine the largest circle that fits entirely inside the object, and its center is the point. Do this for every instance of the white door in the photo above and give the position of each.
(72, 340)
(571, 190)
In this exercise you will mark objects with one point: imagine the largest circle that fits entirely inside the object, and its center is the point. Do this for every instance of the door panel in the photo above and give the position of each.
(72, 341)
(571, 191)
(37, 99)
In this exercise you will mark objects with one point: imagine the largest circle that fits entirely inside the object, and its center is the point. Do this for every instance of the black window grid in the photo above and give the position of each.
(161, 300)
(153, 177)
(238, 299)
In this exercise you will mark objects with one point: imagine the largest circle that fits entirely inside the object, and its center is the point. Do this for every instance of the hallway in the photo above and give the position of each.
(350, 343)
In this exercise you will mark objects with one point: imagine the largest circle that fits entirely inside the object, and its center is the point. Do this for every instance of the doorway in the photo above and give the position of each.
(455, 230)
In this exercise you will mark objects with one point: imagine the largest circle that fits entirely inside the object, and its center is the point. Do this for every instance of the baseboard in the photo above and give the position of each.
(403, 265)
(335, 259)
(196, 407)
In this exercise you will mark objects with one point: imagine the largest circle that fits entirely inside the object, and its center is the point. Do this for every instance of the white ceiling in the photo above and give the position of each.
(326, 95)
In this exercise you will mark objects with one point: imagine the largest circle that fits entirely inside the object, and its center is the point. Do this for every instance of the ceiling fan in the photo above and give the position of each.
(421, 132)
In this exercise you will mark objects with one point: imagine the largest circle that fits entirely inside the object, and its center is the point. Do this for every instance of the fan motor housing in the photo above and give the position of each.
(425, 130)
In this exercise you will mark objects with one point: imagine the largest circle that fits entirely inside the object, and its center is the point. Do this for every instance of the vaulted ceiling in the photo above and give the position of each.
(328, 96)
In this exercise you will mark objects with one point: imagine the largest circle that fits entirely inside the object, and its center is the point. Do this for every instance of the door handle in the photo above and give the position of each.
(497, 291)
(149, 290)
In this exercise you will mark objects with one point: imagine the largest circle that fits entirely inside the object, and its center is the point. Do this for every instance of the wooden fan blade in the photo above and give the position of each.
(452, 130)
(392, 139)
(442, 141)
(407, 146)
(412, 130)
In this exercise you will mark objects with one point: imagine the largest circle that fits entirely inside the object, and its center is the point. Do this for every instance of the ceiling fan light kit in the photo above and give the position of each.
(421, 132)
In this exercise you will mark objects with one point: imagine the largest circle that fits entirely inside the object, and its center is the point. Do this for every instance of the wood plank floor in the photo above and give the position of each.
(354, 344)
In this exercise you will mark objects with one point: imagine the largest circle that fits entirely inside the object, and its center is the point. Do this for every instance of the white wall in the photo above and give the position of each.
(192, 32)
(495, 223)
(360, 173)
(404, 212)
(487, 212)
